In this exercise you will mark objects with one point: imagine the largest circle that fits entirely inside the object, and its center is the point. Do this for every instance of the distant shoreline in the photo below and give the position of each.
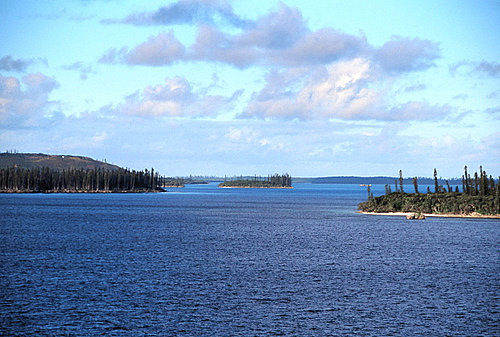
(443, 215)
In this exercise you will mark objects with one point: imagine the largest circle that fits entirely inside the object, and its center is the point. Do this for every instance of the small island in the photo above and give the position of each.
(480, 197)
(172, 182)
(274, 181)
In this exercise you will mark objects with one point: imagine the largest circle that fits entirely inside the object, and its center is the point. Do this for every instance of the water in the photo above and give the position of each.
(203, 261)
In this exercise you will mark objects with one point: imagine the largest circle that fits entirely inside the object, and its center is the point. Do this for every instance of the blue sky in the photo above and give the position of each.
(213, 87)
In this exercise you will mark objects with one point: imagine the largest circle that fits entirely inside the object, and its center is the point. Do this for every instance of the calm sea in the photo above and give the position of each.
(204, 261)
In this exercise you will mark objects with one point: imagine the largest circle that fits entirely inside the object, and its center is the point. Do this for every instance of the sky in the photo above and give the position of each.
(215, 87)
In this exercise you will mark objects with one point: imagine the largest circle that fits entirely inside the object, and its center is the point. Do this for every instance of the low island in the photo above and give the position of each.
(274, 181)
(480, 198)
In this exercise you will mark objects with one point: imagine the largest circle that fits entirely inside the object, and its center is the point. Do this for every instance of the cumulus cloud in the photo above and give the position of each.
(336, 91)
(8, 63)
(158, 50)
(315, 74)
(405, 54)
(280, 38)
(175, 98)
(321, 47)
(187, 12)
(343, 90)
(25, 103)
(278, 30)
(213, 45)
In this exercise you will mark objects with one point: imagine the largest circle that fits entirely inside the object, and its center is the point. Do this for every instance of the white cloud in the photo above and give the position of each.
(336, 91)
(280, 38)
(158, 50)
(406, 54)
(175, 98)
(26, 103)
(318, 74)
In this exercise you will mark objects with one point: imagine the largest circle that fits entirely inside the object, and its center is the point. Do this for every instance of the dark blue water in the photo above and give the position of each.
(205, 261)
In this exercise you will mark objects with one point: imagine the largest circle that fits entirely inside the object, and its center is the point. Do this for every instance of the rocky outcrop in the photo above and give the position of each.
(415, 216)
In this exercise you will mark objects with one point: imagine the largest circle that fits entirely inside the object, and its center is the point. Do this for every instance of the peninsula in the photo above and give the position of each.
(41, 173)
(480, 197)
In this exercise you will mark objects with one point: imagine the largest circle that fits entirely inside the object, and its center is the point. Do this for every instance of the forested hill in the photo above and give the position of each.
(34, 173)
(53, 162)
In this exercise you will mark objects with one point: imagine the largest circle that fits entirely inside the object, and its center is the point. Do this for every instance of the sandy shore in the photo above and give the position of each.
(445, 215)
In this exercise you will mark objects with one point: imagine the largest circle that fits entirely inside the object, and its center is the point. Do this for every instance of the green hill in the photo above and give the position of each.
(53, 162)
(32, 173)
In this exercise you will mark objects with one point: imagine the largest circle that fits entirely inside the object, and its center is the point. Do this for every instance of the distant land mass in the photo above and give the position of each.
(53, 162)
(378, 180)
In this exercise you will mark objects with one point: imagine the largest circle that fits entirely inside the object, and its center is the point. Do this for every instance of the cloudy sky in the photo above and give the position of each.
(215, 87)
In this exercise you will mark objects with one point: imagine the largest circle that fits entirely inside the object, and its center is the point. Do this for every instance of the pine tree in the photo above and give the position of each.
(466, 181)
(476, 184)
(415, 184)
(436, 185)
(369, 191)
(401, 180)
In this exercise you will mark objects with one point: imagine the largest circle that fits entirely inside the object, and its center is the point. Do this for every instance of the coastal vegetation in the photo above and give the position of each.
(480, 195)
(274, 181)
(37, 172)
(79, 180)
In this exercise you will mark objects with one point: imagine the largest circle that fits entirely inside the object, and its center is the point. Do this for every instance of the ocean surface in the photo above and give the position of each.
(204, 261)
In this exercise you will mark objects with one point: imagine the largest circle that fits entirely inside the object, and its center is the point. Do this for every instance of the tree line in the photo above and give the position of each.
(479, 184)
(79, 180)
(275, 180)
